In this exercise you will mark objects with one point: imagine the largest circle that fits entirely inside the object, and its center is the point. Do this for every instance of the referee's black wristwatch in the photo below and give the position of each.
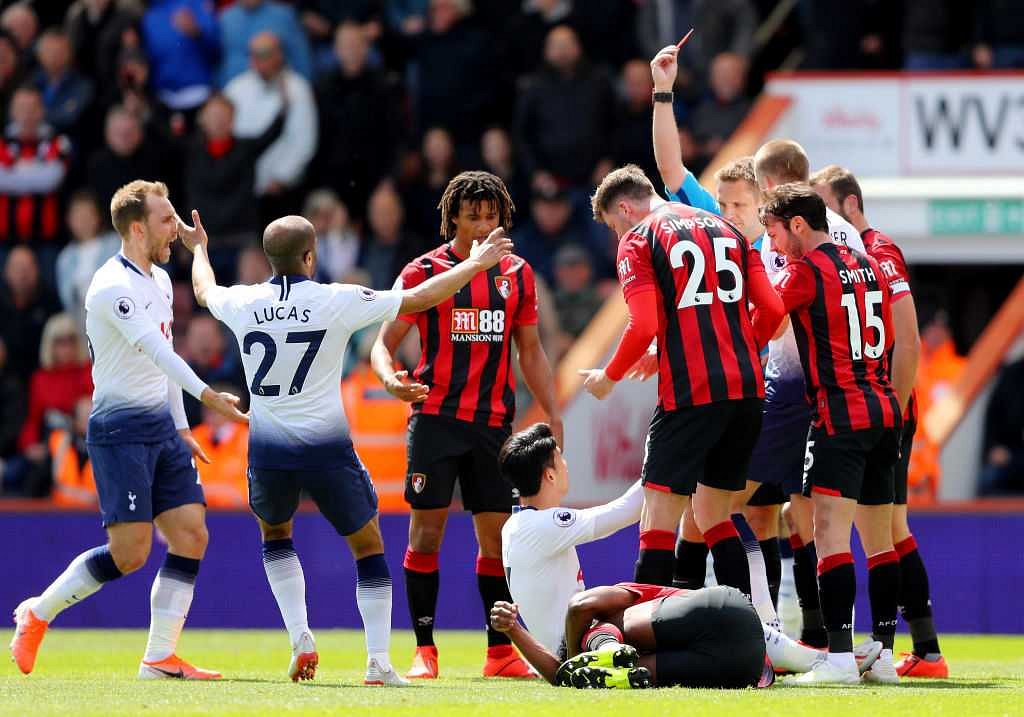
(667, 97)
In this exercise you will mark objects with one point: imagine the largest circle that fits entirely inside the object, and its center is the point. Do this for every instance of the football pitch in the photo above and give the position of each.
(91, 672)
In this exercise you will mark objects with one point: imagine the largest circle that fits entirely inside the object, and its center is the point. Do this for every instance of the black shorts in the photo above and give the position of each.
(859, 465)
(777, 462)
(903, 464)
(443, 450)
(710, 637)
(709, 444)
(767, 494)
(344, 495)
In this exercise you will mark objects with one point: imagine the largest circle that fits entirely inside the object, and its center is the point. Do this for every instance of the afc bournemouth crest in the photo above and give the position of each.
(504, 284)
(419, 482)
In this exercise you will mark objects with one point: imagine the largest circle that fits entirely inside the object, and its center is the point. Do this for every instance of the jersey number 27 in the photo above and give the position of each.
(312, 339)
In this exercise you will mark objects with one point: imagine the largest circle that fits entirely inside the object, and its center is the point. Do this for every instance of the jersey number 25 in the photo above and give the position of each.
(723, 264)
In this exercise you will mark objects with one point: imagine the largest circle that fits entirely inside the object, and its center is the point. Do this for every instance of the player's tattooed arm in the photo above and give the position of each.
(505, 618)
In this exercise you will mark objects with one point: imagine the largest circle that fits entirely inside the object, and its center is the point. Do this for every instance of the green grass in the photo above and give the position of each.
(90, 672)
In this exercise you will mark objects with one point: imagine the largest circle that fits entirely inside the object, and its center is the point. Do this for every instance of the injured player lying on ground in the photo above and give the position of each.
(633, 636)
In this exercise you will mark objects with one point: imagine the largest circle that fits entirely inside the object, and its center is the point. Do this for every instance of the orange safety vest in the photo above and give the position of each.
(937, 372)
(73, 485)
(377, 422)
(224, 478)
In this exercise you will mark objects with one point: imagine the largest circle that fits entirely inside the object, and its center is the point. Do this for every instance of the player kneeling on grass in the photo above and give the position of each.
(539, 553)
(292, 332)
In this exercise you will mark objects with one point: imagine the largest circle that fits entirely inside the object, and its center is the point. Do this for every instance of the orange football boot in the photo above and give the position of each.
(910, 665)
(174, 667)
(28, 634)
(504, 661)
(424, 664)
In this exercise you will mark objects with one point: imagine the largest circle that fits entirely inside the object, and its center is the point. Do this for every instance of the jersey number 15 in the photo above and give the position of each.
(858, 346)
(312, 339)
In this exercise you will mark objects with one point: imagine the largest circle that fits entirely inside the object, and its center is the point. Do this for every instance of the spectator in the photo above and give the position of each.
(576, 297)
(436, 166)
(388, 248)
(253, 267)
(125, 156)
(95, 28)
(936, 33)
(12, 411)
(1003, 464)
(408, 17)
(524, 43)
(64, 376)
(459, 97)
(182, 43)
(131, 90)
(322, 18)
(337, 246)
(361, 116)
(246, 19)
(183, 306)
(496, 152)
(220, 173)
(226, 444)
(553, 224)
(210, 356)
(12, 73)
(19, 20)
(564, 117)
(717, 117)
(631, 142)
(257, 96)
(722, 26)
(89, 249)
(998, 34)
(26, 304)
(33, 165)
(73, 483)
(938, 370)
(66, 94)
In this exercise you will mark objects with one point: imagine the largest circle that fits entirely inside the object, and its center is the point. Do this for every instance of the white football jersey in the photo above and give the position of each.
(784, 378)
(122, 305)
(292, 333)
(538, 550)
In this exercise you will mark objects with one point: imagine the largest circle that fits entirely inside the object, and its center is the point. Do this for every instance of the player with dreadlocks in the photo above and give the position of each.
(463, 397)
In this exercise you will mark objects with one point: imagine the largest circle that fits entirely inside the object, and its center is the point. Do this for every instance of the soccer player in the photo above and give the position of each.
(840, 307)
(292, 332)
(539, 547)
(463, 396)
(841, 192)
(138, 441)
(687, 277)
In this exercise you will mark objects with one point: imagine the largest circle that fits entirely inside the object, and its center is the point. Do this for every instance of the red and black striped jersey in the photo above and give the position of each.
(699, 266)
(894, 271)
(33, 213)
(465, 342)
(841, 308)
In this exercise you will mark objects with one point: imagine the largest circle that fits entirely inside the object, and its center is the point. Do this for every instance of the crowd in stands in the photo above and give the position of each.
(356, 113)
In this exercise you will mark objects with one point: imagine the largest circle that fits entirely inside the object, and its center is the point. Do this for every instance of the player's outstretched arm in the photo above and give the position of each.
(195, 240)
(667, 150)
(533, 360)
(505, 618)
(438, 288)
(641, 329)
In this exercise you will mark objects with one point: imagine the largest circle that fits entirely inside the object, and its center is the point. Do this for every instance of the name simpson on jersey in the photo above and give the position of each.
(280, 313)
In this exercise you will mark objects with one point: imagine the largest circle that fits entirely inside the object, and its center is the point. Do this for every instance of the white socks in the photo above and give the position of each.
(169, 602)
(84, 576)
(373, 597)
(288, 583)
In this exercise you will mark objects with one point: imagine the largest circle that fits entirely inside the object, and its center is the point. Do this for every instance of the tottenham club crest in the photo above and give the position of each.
(418, 481)
(564, 518)
(504, 285)
(124, 307)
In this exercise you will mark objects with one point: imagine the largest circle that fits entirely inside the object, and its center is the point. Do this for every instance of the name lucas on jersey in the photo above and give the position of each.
(280, 313)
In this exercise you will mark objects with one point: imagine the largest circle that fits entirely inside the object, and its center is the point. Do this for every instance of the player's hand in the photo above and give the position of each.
(403, 388)
(664, 68)
(225, 404)
(192, 236)
(193, 444)
(493, 249)
(504, 616)
(596, 382)
(646, 367)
